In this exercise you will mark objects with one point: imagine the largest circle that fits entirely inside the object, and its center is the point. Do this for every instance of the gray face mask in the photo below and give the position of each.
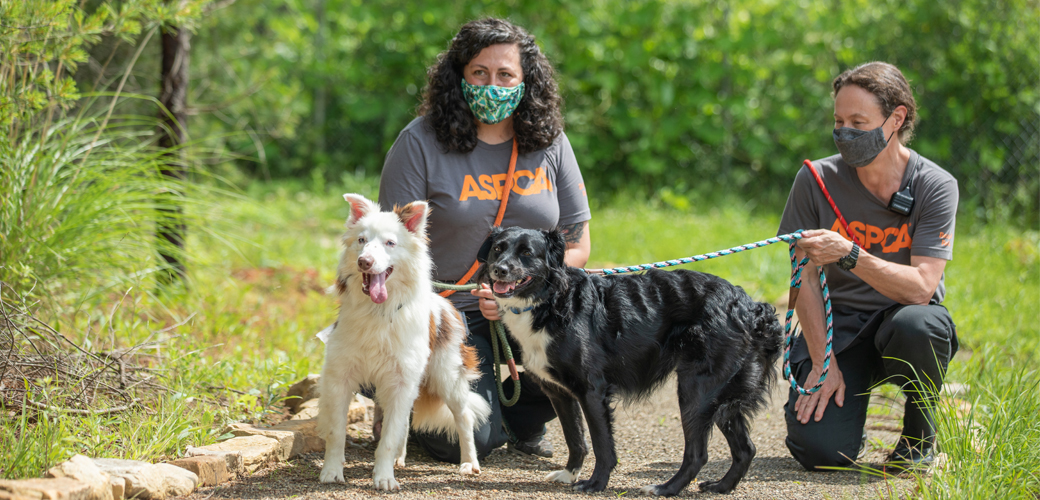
(859, 147)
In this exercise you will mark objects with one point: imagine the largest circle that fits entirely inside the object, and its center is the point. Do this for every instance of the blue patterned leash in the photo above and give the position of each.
(796, 283)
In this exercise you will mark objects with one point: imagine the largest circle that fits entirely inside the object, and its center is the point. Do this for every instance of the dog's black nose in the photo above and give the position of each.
(365, 262)
(500, 271)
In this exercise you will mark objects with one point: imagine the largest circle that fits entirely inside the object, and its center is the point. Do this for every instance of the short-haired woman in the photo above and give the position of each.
(886, 280)
(491, 101)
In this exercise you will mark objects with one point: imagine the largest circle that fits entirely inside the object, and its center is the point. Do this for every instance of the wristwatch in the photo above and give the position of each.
(849, 261)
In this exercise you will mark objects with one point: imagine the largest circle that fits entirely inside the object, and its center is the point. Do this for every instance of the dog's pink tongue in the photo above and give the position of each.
(377, 287)
(504, 286)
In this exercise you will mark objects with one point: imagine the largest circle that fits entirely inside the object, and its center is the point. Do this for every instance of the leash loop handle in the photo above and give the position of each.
(796, 283)
(498, 334)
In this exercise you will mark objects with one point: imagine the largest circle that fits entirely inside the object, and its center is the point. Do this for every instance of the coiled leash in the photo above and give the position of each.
(498, 334)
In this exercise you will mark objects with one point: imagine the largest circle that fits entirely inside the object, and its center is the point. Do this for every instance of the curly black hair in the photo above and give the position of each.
(537, 120)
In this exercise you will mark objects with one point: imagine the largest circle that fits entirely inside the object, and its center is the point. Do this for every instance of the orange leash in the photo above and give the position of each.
(498, 218)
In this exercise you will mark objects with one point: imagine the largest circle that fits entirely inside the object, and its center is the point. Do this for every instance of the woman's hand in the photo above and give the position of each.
(816, 403)
(823, 246)
(486, 301)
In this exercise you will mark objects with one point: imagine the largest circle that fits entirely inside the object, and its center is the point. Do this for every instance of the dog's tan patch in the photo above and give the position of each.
(427, 403)
(341, 285)
(444, 325)
(433, 332)
(469, 353)
(409, 215)
(469, 356)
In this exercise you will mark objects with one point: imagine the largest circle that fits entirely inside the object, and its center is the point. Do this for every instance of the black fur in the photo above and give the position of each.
(623, 335)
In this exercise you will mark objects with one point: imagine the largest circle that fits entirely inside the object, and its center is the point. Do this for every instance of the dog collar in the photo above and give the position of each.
(516, 310)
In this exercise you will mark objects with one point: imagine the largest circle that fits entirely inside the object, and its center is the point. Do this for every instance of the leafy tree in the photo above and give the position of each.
(682, 97)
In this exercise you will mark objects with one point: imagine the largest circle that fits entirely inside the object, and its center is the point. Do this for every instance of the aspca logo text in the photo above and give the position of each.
(490, 187)
(891, 239)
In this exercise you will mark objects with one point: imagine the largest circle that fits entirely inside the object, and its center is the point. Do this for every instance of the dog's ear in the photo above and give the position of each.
(413, 216)
(359, 207)
(485, 248)
(555, 247)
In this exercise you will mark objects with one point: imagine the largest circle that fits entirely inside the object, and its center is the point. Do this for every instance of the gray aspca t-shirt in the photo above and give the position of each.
(464, 191)
(927, 231)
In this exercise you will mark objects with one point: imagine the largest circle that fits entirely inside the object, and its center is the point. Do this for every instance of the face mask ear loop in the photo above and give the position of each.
(893, 132)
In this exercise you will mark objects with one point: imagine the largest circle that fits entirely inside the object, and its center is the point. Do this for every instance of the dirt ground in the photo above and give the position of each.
(650, 446)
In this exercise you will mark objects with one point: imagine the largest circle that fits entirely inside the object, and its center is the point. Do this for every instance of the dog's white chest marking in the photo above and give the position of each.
(533, 342)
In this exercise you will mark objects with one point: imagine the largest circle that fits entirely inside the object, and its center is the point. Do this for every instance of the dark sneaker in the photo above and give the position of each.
(911, 457)
(538, 446)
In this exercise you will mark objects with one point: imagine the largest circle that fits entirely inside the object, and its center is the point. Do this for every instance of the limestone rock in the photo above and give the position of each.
(255, 451)
(359, 409)
(302, 392)
(62, 488)
(211, 469)
(81, 469)
(118, 486)
(308, 432)
(149, 481)
(290, 443)
(306, 410)
(232, 458)
(177, 482)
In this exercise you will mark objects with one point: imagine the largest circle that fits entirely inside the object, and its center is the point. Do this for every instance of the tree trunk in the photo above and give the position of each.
(172, 134)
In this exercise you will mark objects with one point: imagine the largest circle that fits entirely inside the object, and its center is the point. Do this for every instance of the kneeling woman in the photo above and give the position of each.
(491, 110)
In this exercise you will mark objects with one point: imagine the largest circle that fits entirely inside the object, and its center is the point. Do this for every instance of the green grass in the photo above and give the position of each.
(255, 301)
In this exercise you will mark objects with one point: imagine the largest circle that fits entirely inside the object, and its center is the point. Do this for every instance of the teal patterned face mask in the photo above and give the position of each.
(492, 104)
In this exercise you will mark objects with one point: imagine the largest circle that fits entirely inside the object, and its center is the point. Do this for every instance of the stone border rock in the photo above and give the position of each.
(85, 478)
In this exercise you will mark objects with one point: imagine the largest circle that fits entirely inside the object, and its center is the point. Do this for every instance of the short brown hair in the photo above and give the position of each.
(889, 87)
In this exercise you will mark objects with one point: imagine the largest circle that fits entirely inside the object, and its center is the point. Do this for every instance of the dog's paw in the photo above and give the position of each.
(563, 476)
(399, 462)
(590, 486)
(331, 474)
(651, 490)
(716, 487)
(385, 483)
(469, 469)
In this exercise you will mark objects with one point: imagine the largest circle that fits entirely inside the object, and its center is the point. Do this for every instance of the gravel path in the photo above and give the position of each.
(650, 446)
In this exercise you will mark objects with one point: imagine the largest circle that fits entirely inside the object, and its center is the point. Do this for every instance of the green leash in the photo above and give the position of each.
(498, 334)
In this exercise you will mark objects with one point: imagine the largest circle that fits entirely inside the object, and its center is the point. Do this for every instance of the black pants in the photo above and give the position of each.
(526, 419)
(906, 346)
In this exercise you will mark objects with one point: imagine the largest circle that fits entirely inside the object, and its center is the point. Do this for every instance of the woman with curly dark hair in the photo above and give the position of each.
(488, 149)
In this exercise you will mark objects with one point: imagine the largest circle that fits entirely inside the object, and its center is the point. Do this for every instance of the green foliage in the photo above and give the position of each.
(80, 204)
(43, 42)
(658, 93)
(992, 446)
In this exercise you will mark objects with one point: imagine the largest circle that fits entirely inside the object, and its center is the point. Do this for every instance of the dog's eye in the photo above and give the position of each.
(391, 243)
(527, 253)
(361, 240)
(498, 248)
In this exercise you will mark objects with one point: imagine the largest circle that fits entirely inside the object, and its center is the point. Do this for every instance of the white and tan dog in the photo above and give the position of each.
(396, 334)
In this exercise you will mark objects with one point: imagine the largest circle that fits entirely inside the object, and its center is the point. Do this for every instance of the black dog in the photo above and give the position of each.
(589, 338)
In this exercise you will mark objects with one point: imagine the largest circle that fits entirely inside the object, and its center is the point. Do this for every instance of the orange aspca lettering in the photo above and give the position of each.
(946, 238)
(490, 187)
(891, 239)
(471, 189)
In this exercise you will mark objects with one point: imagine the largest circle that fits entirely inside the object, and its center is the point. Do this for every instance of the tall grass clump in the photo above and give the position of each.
(80, 202)
(83, 198)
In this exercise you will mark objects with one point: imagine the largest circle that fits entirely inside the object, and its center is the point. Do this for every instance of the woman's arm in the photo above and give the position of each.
(579, 244)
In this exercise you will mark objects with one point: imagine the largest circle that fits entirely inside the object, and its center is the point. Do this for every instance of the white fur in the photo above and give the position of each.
(388, 345)
(564, 476)
(534, 343)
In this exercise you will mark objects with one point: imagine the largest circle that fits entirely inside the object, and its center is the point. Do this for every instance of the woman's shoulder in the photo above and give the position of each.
(418, 128)
(931, 172)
